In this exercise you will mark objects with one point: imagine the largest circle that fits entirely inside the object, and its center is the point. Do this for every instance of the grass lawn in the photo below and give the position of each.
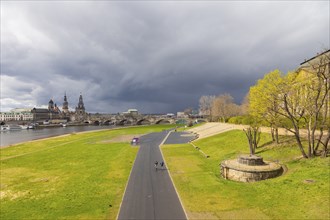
(206, 195)
(77, 176)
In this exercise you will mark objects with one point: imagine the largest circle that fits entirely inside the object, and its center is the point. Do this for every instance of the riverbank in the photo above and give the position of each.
(77, 176)
(11, 138)
(78, 132)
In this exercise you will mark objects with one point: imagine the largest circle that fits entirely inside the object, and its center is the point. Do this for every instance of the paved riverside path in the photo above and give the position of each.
(150, 193)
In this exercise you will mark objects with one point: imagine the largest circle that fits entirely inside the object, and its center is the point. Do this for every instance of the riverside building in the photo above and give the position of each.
(54, 114)
(17, 114)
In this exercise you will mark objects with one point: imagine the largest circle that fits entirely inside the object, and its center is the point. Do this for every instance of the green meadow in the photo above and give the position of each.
(77, 176)
(301, 193)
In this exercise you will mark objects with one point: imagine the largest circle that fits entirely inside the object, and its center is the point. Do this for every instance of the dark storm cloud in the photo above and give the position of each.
(154, 56)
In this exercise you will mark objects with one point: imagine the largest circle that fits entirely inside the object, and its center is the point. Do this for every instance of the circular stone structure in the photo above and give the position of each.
(250, 168)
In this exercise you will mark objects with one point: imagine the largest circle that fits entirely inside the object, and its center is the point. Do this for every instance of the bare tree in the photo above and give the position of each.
(253, 135)
(305, 98)
(223, 106)
(244, 108)
(188, 111)
(205, 105)
(317, 95)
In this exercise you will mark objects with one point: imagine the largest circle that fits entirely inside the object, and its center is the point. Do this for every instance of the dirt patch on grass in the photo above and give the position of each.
(309, 181)
(122, 138)
(11, 195)
(44, 179)
(242, 214)
(201, 215)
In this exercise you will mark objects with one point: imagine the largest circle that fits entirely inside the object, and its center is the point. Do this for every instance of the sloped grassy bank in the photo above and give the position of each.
(301, 193)
(77, 176)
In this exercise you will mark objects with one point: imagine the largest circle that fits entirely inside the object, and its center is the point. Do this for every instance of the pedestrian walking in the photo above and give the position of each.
(162, 164)
(156, 164)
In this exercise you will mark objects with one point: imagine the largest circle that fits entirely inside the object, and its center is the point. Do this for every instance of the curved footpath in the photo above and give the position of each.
(150, 193)
(214, 128)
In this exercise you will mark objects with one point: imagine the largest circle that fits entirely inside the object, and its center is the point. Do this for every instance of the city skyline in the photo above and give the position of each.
(157, 57)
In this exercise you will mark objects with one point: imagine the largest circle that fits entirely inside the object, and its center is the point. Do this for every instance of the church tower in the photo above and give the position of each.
(80, 109)
(51, 105)
(65, 107)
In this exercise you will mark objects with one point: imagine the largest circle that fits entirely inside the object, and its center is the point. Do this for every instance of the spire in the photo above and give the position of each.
(81, 103)
(65, 100)
(50, 105)
(65, 107)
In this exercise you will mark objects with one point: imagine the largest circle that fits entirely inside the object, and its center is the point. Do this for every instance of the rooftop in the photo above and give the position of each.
(317, 55)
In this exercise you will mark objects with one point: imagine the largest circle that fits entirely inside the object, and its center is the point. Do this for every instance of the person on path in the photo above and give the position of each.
(156, 164)
(162, 164)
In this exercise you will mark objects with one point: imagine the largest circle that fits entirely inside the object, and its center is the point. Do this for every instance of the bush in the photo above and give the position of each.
(245, 120)
(190, 124)
(236, 120)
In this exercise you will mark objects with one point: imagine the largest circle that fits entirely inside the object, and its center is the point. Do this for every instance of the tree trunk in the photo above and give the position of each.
(276, 136)
(295, 123)
(326, 144)
(309, 138)
(313, 143)
(256, 137)
(319, 141)
(272, 130)
(248, 133)
(301, 148)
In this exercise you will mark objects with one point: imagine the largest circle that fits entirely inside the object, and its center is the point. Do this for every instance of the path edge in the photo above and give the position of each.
(129, 176)
(169, 173)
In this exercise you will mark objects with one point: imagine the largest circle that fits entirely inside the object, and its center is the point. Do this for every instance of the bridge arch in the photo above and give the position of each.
(108, 122)
(121, 122)
(143, 122)
(163, 121)
(124, 122)
(96, 122)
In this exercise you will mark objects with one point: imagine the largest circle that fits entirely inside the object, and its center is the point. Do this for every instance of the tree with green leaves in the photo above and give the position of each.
(302, 97)
(306, 95)
(264, 101)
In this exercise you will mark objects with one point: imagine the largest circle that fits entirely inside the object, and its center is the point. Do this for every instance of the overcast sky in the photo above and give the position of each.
(158, 57)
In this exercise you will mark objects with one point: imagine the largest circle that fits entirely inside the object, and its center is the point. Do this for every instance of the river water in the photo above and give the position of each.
(14, 137)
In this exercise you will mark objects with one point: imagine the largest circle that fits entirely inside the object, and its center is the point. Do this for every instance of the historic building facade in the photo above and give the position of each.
(17, 115)
(65, 108)
(80, 114)
(54, 114)
(54, 111)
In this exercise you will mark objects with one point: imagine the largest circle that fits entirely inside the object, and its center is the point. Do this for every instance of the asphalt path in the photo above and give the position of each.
(150, 193)
(179, 138)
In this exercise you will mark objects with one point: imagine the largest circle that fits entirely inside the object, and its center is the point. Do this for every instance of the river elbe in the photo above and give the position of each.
(13, 137)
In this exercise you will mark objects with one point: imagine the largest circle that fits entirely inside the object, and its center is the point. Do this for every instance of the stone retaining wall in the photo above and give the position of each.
(249, 176)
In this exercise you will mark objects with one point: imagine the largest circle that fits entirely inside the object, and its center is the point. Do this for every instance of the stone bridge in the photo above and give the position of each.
(131, 119)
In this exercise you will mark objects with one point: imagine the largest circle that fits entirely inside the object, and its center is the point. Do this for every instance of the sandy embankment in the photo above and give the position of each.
(213, 128)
